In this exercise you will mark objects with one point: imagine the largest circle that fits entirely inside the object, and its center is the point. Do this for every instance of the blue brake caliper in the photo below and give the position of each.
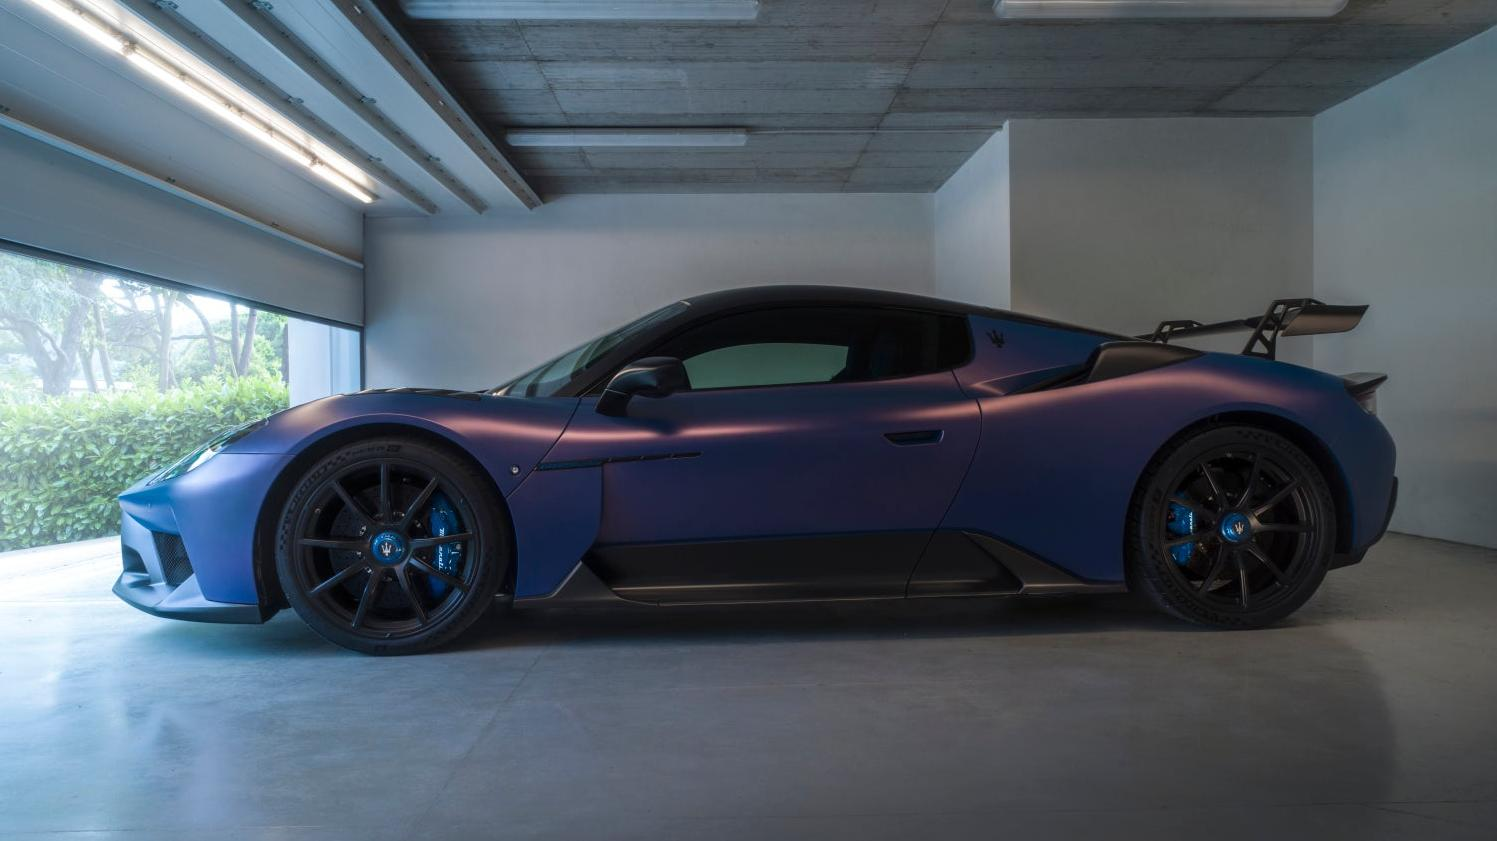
(441, 519)
(1182, 521)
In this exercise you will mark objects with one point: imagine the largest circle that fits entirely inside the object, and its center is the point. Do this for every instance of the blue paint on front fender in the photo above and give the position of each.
(556, 515)
(502, 433)
(217, 507)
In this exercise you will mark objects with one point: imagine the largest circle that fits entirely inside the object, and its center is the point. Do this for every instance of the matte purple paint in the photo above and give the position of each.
(556, 515)
(1058, 468)
(1051, 471)
(788, 460)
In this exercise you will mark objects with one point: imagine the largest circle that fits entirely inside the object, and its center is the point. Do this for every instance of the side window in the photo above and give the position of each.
(767, 363)
(797, 345)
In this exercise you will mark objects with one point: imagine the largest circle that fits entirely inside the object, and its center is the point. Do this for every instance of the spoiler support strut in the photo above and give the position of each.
(1284, 317)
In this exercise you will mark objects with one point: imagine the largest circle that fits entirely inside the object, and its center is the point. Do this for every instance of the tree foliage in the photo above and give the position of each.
(48, 308)
(66, 459)
(61, 325)
(161, 370)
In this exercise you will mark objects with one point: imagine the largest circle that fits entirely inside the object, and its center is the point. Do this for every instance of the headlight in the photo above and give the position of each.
(197, 458)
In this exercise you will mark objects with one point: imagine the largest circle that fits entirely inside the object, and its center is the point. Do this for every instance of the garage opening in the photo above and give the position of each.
(107, 377)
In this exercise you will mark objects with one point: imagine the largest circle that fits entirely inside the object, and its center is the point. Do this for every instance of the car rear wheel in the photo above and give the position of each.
(1232, 526)
(392, 546)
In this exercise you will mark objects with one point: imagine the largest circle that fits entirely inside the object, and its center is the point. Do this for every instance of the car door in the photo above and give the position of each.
(812, 455)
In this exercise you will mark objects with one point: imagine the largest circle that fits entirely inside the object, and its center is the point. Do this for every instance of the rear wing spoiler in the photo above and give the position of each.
(1285, 317)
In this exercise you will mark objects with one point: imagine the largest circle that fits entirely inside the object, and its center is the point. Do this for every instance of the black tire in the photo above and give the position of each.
(1231, 526)
(426, 522)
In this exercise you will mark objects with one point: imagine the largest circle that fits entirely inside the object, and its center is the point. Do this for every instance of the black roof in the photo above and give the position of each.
(754, 296)
(757, 296)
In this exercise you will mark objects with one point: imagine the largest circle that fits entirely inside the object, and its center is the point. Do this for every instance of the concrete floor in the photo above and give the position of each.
(1372, 715)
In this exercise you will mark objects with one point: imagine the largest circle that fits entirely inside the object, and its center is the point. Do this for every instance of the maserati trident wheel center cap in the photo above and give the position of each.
(1235, 527)
(388, 547)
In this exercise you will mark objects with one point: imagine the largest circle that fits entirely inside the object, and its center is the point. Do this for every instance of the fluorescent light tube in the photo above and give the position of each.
(82, 23)
(581, 9)
(223, 109)
(1115, 9)
(342, 182)
(627, 137)
(209, 92)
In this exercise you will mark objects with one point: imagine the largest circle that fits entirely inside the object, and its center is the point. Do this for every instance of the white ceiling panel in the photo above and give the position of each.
(59, 82)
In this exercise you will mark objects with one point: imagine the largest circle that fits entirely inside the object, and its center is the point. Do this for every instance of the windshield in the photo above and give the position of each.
(547, 379)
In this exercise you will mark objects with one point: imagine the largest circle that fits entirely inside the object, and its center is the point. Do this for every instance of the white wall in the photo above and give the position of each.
(470, 302)
(1406, 220)
(1115, 223)
(1118, 224)
(320, 360)
(971, 232)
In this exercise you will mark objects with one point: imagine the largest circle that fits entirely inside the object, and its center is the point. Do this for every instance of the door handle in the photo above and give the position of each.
(909, 439)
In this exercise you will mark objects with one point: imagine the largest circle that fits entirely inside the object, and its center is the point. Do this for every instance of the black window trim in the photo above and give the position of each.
(596, 386)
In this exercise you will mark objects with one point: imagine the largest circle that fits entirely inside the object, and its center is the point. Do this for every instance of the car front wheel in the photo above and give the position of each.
(392, 546)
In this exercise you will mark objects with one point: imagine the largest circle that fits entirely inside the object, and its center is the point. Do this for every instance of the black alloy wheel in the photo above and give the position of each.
(1232, 526)
(392, 546)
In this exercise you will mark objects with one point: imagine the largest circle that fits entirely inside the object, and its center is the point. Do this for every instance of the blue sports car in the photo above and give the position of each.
(787, 443)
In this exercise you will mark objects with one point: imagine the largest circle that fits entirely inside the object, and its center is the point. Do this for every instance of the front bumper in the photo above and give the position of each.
(188, 544)
(160, 581)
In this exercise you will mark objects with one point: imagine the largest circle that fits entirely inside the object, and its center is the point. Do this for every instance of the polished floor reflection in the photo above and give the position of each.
(1373, 714)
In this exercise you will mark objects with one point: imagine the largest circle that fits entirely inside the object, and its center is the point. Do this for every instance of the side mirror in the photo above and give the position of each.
(653, 376)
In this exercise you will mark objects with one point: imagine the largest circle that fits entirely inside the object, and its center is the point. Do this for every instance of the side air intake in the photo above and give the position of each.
(1111, 360)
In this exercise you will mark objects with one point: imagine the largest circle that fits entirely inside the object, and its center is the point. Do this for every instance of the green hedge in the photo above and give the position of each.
(63, 460)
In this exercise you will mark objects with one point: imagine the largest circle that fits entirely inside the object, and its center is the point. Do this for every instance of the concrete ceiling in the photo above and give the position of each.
(894, 95)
